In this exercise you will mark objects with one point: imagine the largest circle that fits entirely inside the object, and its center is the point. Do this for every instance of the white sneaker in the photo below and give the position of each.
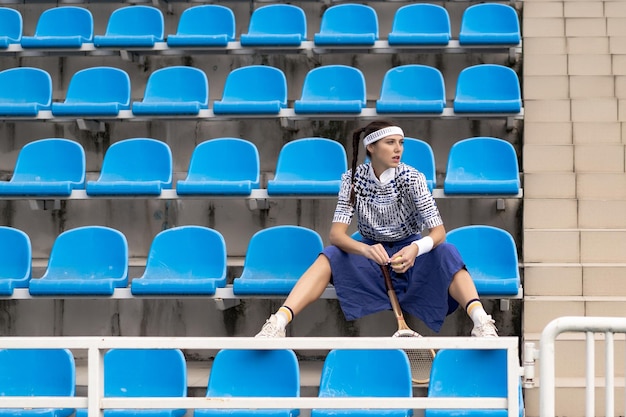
(486, 328)
(271, 328)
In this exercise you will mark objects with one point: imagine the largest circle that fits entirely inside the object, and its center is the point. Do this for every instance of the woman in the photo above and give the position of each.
(392, 205)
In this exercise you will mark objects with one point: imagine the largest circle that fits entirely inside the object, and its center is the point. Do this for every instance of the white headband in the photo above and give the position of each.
(381, 133)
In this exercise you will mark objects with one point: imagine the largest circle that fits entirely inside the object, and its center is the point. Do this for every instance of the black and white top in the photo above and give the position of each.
(397, 206)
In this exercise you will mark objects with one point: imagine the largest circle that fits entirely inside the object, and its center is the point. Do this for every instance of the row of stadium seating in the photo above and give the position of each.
(256, 373)
(93, 261)
(261, 90)
(55, 167)
(272, 25)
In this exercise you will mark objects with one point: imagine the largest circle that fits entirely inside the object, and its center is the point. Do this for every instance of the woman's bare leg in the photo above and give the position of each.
(310, 286)
(462, 288)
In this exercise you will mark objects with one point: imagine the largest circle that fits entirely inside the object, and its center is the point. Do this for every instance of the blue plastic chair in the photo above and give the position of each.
(47, 167)
(204, 25)
(15, 260)
(365, 373)
(88, 260)
(132, 26)
(184, 260)
(420, 24)
(487, 88)
(211, 174)
(469, 373)
(143, 373)
(61, 27)
(24, 91)
(96, 91)
(309, 166)
(348, 24)
(37, 373)
(490, 255)
(274, 262)
(332, 89)
(137, 166)
(176, 90)
(489, 24)
(11, 24)
(419, 155)
(269, 373)
(255, 89)
(482, 165)
(276, 25)
(412, 89)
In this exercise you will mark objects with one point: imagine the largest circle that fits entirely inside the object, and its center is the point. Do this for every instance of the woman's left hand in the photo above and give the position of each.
(402, 260)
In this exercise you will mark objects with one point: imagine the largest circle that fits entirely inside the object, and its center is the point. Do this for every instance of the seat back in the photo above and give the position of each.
(187, 252)
(419, 155)
(100, 85)
(138, 159)
(277, 19)
(12, 26)
(482, 165)
(136, 20)
(489, 23)
(65, 21)
(268, 373)
(51, 160)
(25, 85)
(420, 23)
(15, 256)
(243, 86)
(412, 88)
(490, 255)
(207, 162)
(80, 253)
(348, 24)
(145, 373)
(469, 373)
(487, 88)
(207, 19)
(37, 372)
(177, 84)
(327, 88)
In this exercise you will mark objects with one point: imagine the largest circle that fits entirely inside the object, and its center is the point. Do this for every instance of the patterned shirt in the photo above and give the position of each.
(387, 211)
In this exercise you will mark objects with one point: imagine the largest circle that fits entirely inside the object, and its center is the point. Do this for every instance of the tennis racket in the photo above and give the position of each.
(421, 360)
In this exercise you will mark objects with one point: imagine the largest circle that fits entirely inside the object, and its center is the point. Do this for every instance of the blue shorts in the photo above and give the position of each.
(422, 290)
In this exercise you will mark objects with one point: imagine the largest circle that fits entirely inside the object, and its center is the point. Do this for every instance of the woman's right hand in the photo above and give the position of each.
(376, 253)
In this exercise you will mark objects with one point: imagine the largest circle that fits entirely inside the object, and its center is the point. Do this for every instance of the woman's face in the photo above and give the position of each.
(386, 153)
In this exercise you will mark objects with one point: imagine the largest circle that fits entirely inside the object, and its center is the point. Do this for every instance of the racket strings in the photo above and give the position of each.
(420, 360)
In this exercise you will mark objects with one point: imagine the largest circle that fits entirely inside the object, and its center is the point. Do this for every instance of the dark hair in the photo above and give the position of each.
(356, 144)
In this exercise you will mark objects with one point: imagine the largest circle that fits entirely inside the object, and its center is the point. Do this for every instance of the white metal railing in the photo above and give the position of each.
(546, 355)
(95, 401)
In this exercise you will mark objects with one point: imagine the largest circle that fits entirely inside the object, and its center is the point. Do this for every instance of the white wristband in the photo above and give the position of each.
(424, 245)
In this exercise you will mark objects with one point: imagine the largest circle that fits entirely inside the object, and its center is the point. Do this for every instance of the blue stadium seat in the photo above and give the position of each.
(204, 25)
(95, 91)
(12, 26)
(254, 89)
(143, 373)
(38, 373)
(15, 260)
(268, 373)
(482, 165)
(274, 263)
(489, 24)
(419, 155)
(332, 89)
(61, 27)
(88, 260)
(469, 373)
(412, 89)
(365, 373)
(24, 91)
(137, 166)
(488, 88)
(47, 167)
(348, 24)
(176, 90)
(132, 26)
(184, 260)
(276, 25)
(420, 24)
(309, 166)
(210, 173)
(490, 255)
